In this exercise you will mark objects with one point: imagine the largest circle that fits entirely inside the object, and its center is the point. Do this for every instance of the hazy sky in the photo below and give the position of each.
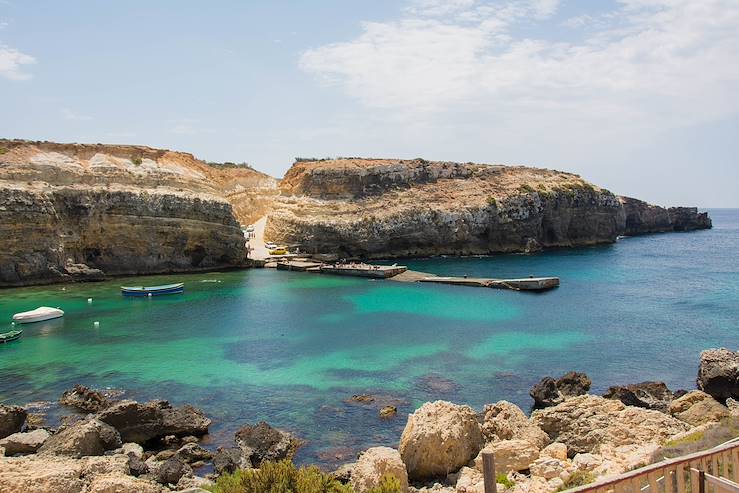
(639, 96)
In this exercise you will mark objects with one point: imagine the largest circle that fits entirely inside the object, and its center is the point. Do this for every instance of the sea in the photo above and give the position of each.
(293, 348)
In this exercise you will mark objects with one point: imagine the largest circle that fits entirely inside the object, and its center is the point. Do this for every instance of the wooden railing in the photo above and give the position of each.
(711, 471)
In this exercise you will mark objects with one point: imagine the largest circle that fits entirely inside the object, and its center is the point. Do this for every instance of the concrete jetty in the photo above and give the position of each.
(520, 284)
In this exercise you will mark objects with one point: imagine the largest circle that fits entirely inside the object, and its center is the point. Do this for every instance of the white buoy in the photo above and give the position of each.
(89, 300)
(149, 295)
(96, 324)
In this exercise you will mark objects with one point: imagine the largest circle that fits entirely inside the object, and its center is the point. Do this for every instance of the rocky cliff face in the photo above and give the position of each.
(70, 211)
(393, 208)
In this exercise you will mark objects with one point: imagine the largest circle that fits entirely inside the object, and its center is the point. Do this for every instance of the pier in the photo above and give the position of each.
(522, 284)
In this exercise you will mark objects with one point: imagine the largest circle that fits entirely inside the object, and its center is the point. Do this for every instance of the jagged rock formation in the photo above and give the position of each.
(392, 208)
(73, 211)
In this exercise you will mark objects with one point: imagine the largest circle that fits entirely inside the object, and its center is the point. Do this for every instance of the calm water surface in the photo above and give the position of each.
(290, 348)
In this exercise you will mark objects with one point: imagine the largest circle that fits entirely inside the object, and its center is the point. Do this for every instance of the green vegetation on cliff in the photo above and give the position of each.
(284, 477)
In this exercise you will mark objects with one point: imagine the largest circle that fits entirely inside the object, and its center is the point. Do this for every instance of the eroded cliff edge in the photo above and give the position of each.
(380, 208)
(73, 211)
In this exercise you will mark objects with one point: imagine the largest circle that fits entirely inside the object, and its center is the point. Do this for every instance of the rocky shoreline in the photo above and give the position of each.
(124, 446)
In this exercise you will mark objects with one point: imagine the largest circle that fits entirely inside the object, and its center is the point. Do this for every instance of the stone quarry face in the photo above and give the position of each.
(439, 438)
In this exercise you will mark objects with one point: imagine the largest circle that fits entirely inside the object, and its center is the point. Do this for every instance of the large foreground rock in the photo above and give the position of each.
(510, 455)
(718, 374)
(586, 422)
(24, 443)
(439, 438)
(261, 443)
(506, 421)
(698, 408)
(84, 399)
(375, 463)
(649, 395)
(87, 437)
(42, 474)
(143, 422)
(11, 419)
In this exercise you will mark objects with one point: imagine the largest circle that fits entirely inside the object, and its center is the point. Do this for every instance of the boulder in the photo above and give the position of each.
(343, 473)
(649, 395)
(227, 460)
(587, 462)
(88, 437)
(510, 455)
(545, 393)
(24, 443)
(550, 467)
(439, 438)
(733, 406)
(555, 450)
(84, 399)
(136, 466)
(58, 474)
(261, 443)
(697, 408)
(572, 384)
(585, 422)
(506, 421)
(718, 374)
(122, 484)
(156, 419)
(131, 448)
(375, 463)
(550, 392)
(194, 484)
(388, 412)
(171, 471)
(470, 480)
(11, 419)
(192, 452)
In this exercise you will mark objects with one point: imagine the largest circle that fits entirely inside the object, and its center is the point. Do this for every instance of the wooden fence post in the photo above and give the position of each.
(488, 472)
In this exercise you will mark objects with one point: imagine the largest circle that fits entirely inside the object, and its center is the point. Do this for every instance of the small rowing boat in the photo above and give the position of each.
(10, 336)
(153, 290)
(38, 315)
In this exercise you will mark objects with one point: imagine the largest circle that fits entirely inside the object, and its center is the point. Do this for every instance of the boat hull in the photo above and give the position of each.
(36, 316)
(141, 291)
(10, 336)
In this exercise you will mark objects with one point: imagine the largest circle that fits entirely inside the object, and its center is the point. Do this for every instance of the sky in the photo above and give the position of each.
(638, 96)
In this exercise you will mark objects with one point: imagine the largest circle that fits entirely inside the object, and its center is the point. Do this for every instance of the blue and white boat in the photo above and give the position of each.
(153, 290)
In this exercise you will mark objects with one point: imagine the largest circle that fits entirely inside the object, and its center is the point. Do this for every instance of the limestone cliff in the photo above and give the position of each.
(71, 211)
(392, 208)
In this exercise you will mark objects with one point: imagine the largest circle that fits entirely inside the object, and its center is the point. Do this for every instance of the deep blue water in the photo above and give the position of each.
(290, 348)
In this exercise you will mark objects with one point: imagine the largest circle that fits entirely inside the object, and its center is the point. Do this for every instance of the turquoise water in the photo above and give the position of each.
(290, 348)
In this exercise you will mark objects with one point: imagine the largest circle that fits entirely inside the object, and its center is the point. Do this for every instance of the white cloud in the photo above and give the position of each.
(648, 64)
(11, 63)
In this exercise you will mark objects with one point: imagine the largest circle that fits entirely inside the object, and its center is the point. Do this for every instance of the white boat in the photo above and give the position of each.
(38, 315)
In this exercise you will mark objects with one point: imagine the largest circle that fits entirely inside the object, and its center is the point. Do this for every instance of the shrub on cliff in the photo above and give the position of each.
(284, 477)
(3, 150)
